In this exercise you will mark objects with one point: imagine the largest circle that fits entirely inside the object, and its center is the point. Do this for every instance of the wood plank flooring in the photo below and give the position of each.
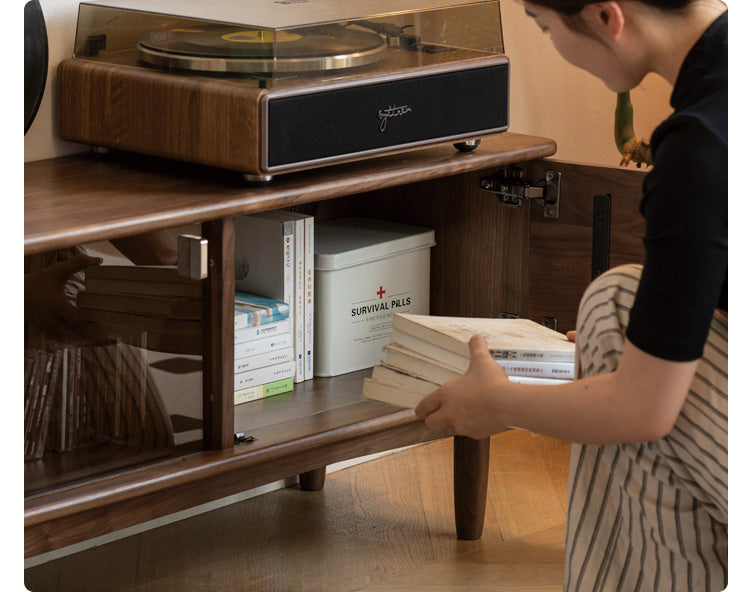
(382, 526)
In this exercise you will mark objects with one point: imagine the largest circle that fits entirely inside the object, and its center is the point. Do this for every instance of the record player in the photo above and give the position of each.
(269, 86)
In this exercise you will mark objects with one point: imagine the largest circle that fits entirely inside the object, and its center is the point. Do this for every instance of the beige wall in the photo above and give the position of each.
(548, 96)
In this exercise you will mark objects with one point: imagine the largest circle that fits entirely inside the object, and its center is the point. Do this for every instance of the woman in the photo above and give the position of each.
(648, 415)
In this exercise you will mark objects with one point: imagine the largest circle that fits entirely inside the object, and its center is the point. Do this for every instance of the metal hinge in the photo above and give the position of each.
(509, 186)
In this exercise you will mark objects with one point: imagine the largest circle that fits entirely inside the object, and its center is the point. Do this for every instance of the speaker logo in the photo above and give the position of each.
(392, 111)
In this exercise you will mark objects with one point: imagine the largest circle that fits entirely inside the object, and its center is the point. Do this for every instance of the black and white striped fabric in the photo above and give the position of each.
(649, 516)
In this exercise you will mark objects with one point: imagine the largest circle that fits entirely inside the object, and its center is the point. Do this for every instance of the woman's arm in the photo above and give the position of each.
(638, 402)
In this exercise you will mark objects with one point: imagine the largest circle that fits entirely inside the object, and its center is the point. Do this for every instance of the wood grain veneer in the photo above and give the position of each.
(84, 198)
(194, 118)
(560, 250)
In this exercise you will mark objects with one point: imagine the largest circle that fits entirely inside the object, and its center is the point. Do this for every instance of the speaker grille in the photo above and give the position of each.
(385, 115)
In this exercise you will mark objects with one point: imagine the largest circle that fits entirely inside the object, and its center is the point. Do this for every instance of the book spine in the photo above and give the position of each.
(562, 370)
(309, 294)
(461, 362)
(264, 359)
(259, 346)
(260, 391)
(262, 330)
(299, 298)
(264, 375)
(289, 269)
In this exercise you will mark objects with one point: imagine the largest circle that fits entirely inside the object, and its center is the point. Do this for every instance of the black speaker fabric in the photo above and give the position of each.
(351, 120)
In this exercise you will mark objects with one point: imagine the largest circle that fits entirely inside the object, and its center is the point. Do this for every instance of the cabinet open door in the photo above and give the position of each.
(599, 226)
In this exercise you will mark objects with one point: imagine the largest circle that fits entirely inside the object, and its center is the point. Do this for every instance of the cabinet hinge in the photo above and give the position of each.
(509, 186)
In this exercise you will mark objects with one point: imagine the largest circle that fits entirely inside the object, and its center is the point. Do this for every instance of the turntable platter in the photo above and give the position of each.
(250, 51)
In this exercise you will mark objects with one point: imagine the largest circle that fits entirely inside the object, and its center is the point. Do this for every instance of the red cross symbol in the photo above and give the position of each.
(380, 292)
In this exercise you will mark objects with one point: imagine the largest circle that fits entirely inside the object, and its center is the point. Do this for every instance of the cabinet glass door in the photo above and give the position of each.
(113, 364)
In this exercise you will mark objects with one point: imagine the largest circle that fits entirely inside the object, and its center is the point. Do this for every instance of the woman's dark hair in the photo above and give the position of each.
(570, 9)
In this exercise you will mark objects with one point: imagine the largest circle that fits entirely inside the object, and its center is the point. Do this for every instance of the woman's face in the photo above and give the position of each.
(583, 50)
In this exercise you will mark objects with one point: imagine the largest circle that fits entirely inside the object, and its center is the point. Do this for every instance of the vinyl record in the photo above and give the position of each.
(238, 50)
(35, 60)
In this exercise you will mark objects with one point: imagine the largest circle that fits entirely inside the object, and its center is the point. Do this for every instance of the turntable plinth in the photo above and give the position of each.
(193, 118)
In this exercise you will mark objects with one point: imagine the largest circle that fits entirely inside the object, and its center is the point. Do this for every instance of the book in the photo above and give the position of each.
(404, 392)
(428, 351)
(507, 339)
(151, 280)
(253, 393)
(265, 258)
(305, 285)
(260, 376)
(262, 330)
(254, 347)
(253, 309)
(141, 304)
(412, 362)
(260, 360)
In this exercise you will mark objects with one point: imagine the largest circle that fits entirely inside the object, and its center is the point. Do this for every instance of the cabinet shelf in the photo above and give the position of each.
(84, 198)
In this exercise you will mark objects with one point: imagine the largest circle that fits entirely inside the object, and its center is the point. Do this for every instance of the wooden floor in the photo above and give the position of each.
(382, 526)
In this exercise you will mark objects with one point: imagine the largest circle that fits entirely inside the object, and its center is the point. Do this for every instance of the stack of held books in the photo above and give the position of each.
(149, 306)
(427, 351)
(274, 256)
(264, 359)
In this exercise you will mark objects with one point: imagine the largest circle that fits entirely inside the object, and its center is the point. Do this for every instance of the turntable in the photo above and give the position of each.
(269, 86)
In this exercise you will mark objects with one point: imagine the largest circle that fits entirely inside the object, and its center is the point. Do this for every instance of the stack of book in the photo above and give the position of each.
(264, 357)
(149, 306)
(274, 257)
(427, 351)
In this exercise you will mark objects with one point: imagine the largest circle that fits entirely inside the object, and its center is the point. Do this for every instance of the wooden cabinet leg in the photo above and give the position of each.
(312, 480)
(471, 462)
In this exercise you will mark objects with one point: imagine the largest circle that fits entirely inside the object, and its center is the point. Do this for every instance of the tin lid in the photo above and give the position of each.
(345, 242)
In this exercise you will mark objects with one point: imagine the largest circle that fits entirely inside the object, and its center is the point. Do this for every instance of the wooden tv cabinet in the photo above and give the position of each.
(480, 266)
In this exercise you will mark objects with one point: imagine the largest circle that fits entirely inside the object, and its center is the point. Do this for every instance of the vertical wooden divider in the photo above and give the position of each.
(218, 341)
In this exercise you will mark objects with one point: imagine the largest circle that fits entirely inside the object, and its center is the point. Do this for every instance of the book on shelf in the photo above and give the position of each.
(426, 352)
(132, 301)
(265, 259)
(139, 280)
(253, 309)
(268, 358)
(264, 375)
(141, 304)
(262, 330)
(253, 393)
(273, 257)
(304, 284)
(261, 345)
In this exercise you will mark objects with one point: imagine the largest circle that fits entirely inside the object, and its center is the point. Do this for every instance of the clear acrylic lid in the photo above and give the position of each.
(266, 39)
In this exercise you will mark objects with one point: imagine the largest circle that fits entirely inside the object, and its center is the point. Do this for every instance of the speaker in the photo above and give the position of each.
(311, 126)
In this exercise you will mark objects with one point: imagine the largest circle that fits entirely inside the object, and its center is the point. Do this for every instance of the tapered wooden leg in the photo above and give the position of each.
(312, 480)
(471, 463)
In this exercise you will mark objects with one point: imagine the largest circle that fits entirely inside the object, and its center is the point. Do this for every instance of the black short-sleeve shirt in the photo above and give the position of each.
(685, 205)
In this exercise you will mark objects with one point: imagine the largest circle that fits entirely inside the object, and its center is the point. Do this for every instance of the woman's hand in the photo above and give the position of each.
(47, 306)
(469, 405)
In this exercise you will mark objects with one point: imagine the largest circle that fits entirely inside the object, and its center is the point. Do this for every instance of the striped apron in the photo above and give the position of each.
(649, 516)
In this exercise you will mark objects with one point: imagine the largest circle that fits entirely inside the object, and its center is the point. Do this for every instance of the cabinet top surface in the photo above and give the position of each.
(83, 198)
